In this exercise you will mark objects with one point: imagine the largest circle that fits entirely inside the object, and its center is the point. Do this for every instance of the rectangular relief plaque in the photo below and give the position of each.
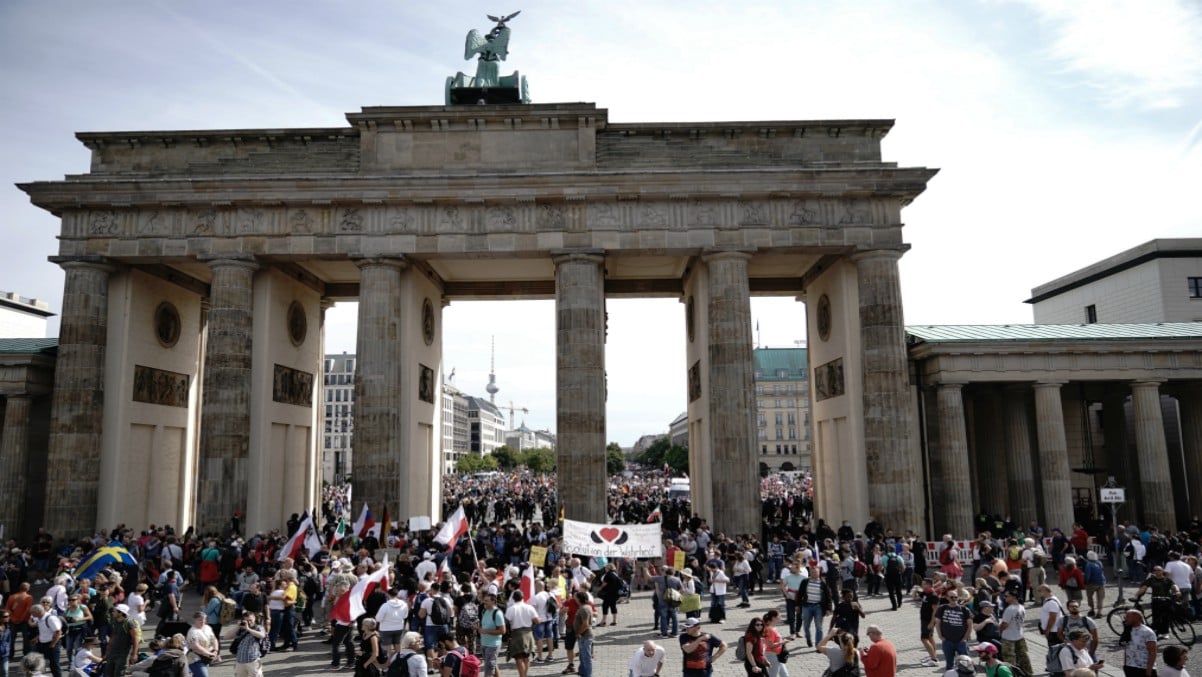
(425, 384)
(695, 381)
(159, 386)
(292, 386)
(828, 380)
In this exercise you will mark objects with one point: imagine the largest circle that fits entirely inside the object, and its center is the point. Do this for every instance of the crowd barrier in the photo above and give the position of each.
(965, 556)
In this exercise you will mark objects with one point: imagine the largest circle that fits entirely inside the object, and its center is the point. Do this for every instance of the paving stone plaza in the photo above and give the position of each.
(615, 645)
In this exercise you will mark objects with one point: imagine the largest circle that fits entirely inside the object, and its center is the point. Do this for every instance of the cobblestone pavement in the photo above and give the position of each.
(616, 644)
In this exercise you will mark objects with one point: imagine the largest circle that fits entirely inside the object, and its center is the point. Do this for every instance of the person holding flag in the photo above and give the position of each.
(365, 522)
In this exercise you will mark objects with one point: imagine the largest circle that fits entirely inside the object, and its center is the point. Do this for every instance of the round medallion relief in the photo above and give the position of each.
(824, 317)
(166, 324)
(298, 323)
(428, 322)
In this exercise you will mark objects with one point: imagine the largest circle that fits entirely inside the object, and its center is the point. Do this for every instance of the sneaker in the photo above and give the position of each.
(570, 670)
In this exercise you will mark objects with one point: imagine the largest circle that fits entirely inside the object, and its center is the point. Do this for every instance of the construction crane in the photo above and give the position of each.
(512, 409)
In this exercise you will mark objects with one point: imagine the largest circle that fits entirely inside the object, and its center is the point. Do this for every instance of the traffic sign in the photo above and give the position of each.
(1113, 494)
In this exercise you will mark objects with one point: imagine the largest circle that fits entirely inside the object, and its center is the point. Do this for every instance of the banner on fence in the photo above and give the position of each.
(613, 540)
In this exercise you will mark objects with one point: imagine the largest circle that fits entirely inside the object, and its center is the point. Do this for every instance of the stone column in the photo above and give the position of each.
(1155, 482)
(380, 465)
(1189, 401)
(580, 383)
(1118, 457)
(1018, 460)
(223, 470)
(77, 407)
(1053, 458)
(953, 448)
(991, 453)
(733, 438)
(894, 478)
(14, 458)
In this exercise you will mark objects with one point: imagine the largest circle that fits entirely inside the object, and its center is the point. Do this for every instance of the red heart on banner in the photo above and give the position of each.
(610, 533)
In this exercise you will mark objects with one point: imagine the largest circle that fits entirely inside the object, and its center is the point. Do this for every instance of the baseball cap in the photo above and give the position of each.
(691, 622)
(985, 647)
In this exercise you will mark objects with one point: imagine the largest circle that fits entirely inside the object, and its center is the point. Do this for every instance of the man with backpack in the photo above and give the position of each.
(437, 610)
(455, 660)
(894, 567)
(492, 628)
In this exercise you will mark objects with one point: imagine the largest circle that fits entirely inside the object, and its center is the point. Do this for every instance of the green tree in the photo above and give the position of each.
(507, 459)
(539, 460)
(472, 464)
(677, 459)
(654, 454)
(615, 461)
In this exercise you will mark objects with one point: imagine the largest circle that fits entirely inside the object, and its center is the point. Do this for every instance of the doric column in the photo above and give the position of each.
(1189, 401)
(381, 464)
(14, 458)
(77, 407)
(953, 451)
(223, 472)
(991, 453)
(735, 479)
(1155, 482)
(1118, 457)
(1053, 458)
(894, 480)
(1018, 458)
(580, 383)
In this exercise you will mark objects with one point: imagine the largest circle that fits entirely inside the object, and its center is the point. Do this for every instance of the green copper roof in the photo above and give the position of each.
(945, 333)
(770, 362)
(27, 345)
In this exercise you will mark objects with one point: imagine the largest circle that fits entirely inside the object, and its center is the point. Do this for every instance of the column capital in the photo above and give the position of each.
(950, 385)
(583, 255)
(872, 254)
(231, 260)
(398, 261)
(1150, 383)
(99, 263)
(1044, 385)
(709, 255)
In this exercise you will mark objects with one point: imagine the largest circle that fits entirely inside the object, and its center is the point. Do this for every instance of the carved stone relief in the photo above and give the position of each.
(828, 380)
(159, 386)
(292, 386)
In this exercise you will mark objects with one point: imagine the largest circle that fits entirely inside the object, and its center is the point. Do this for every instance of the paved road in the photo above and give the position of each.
(616, 644)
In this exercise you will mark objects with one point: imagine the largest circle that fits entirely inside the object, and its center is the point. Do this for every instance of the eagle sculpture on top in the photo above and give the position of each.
(491, 48)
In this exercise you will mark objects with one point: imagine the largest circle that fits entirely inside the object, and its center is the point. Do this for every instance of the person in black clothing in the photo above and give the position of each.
(847, 615)
(609, 590)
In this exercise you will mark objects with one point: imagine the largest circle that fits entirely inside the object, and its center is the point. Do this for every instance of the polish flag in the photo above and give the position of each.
(364, 523)
(305, 536)
(365, 586)
(527, 586)
(454, 527)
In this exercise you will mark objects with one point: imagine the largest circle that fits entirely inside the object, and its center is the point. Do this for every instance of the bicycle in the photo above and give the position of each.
(1180, 626)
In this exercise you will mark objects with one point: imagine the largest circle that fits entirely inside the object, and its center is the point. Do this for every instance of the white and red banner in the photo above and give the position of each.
(613, 540)
(306, 535)
(365, 586)
(455, 526)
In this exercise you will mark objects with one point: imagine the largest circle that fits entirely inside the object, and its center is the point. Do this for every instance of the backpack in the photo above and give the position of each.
(439, 613)
(400, 667)
(859, 569)
(741, 651)
(552, 606)
(469, 665)
(229, 611)
(893, 564)
(1052, 662)
(1015, 670)
(168, 665)
(469, 617)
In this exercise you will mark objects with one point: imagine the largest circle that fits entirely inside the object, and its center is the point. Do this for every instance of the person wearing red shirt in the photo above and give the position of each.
(1080, 539)
(879, 659)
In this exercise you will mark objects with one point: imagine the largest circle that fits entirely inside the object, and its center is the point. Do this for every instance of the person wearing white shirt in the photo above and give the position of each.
(647, 661)
(521, 619)
(1180, 572)
(426, 567)
(393, 617)
(1075, 652)
(543, 638)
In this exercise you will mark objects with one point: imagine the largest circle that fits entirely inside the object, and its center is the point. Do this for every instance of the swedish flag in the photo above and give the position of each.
(112, 554)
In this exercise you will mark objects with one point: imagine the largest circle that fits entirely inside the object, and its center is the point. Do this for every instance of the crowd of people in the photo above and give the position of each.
(438, 608)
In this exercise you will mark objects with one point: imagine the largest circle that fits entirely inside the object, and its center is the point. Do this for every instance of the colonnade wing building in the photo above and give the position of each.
(198, 265)
(1030, 420)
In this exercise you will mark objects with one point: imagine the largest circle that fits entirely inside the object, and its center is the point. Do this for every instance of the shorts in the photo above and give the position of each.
(391, 636)
(430, 634)
(569, 640)
(542, 630)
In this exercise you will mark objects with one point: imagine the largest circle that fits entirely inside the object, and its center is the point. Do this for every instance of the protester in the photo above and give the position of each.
(880, 658)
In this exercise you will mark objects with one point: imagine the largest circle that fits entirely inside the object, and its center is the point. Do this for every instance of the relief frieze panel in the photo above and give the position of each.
(159, 386)
(292, 386)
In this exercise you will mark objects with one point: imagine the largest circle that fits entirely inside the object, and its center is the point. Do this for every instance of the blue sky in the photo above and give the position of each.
(1064, 131)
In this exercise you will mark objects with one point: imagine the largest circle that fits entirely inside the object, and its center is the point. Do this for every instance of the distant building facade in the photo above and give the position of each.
(523, 439)
(21, 317)
(782, 395)
(338, 441)
(678, 430)
(486, 426)
(1158, 281)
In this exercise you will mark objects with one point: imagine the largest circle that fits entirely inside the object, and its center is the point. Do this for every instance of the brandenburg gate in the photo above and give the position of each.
(199, 265)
